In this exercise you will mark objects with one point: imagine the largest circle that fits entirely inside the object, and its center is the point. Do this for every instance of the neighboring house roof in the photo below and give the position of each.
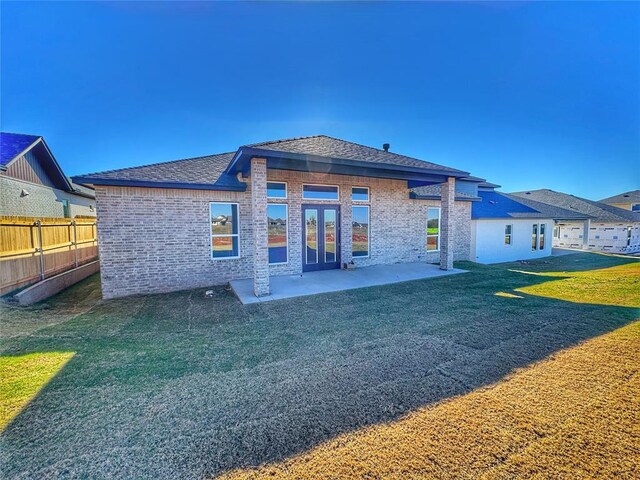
(318, 153)
(13, 144)
(596, 211)
(502, 205)
(433, 192)
(628, 197)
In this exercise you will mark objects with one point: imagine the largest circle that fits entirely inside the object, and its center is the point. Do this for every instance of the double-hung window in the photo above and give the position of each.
(225, 228)
(433, 229)
(277, 233)
(508, 233)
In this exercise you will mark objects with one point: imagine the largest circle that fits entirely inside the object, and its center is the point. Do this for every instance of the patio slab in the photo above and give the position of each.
(312, 283)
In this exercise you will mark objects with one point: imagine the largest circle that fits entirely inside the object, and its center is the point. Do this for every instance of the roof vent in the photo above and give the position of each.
(385, 147)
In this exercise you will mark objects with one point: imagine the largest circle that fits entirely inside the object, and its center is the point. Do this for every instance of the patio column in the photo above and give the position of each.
(448, 190)
(259, 219)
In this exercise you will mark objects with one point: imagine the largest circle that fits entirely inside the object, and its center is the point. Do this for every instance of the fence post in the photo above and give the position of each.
(39, 225)
(75, 244)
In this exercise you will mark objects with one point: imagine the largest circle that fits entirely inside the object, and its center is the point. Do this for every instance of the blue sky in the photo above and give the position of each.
(526, 95)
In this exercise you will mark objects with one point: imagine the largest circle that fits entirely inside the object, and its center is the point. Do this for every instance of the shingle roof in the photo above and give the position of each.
(434, 192)
(198, 170)
(599, 212)
(627, 197)
(325, 146)
(502, 205)
(12, 144)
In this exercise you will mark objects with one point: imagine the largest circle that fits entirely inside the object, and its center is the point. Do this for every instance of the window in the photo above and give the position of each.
(360, 231)
(534, 237)
(543, 227)
(225, 241)
(507, 234)
(360, 194)
(277, 233)
(635, 207)
(276, 190)
(330, 236)
(65, 209)
(628, 236)
(433, 228)
(320, 192)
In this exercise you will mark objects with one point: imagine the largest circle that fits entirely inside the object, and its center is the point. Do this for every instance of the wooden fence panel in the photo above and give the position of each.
(66, 243)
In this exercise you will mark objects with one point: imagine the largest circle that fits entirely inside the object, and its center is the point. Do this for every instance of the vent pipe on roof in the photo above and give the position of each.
(385, 147)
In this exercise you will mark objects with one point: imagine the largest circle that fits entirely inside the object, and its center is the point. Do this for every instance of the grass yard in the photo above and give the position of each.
(508, 371)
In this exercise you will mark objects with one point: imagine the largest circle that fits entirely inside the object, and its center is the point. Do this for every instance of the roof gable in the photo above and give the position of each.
(13, 144)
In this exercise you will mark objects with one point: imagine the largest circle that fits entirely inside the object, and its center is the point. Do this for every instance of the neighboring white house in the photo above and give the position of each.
(626, 201)
(606, 228)
(32, 184)
(504, 229)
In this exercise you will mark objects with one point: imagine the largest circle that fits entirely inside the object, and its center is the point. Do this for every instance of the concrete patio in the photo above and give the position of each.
(312, 283)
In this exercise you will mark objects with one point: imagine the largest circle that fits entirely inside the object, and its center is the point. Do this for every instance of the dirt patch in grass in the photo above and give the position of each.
(574, 414)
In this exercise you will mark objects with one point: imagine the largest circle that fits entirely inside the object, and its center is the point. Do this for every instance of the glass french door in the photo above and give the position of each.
(320, 237)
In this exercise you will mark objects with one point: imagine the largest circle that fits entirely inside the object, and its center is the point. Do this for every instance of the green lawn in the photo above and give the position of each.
(184, 386)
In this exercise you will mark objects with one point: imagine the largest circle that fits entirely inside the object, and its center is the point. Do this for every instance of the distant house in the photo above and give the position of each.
(32, 184)
(627, 201)
(606, 228)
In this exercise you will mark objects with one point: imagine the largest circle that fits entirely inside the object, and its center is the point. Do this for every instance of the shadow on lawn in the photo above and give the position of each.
(181, 385)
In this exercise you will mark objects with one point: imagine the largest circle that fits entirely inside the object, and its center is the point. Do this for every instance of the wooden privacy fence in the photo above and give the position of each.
(32, 249)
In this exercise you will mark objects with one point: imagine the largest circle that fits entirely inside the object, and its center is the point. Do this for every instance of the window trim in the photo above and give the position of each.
(361, 201)
(509, 234)
(212, 236)
(286, 208)
(368, 207)
(286, 190)
(426, 245)
(321, 199)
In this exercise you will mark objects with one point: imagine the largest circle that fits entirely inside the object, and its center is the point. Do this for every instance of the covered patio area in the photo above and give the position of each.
(312, 283)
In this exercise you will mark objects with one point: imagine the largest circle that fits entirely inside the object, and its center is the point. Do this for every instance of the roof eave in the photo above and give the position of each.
(113, 182)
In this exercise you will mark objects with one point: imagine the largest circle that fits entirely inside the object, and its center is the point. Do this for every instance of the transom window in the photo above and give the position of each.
(320, 192)
(360, 194)
(225, 237)
(433, 228)
(277, 233)
(360, 219)
(508, 229)
(276, 190)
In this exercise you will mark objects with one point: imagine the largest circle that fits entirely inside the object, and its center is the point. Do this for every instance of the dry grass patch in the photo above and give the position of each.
(573, 415)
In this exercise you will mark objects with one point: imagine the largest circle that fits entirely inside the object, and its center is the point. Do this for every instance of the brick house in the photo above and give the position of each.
(275, 208)
(32, 184)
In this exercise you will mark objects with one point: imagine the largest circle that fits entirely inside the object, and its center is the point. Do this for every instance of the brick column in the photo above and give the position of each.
(446, 224)
(259, 219)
